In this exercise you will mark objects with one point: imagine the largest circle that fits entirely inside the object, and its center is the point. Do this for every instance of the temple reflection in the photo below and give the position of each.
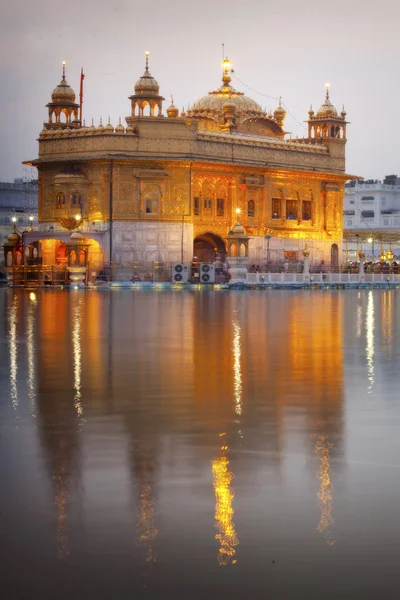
(370, 340)
(224, 496)
(325, 493)
(77, 354)
(13, 349)
(31, 350)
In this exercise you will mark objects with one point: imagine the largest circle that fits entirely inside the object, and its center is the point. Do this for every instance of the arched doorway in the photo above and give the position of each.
(207, 246)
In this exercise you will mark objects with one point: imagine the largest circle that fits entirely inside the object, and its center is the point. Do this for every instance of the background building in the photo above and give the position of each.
(167, 188)
(372, 217)
(18, 200)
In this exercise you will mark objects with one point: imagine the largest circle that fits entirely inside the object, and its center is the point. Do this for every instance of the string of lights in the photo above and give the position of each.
(269, 98)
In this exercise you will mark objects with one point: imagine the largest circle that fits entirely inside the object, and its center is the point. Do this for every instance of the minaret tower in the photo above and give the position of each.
(63, 110)
(146, 101)
(327, 124)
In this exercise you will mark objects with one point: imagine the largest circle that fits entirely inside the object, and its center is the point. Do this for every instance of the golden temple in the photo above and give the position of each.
(167, 187)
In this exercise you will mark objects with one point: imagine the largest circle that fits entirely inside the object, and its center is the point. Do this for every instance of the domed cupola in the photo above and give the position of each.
(227, 109)
(327, 109)
(146, 101)
(63, 110)
(326, 123)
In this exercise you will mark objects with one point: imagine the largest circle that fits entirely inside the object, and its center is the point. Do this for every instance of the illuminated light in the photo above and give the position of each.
(226, 64)
(64, 63)
(31, 218)
(370, 338)
(325, 492)
(13, 353)
(14, 219)
(32, 296)
(147, 53)
(238, 211)
(224, 512)
(221, 434)
(327, 85)
(78, 217)
(369, 240)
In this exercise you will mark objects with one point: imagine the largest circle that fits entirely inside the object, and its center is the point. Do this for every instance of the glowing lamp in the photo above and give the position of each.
(238, 211)
(32, 296)
(226, 64)
(369, 240)
(78, 218)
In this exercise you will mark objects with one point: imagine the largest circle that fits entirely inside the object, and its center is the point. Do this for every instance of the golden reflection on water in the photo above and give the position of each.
(77, 355)
(12, 337)
(325, 493)
(387, 320)
(30, 344)
(370, 338)
(147, 530)
(61, 500)
(237, 373)
(224, 512)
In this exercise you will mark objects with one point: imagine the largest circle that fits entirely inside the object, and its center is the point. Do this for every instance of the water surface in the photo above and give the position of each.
(200, 445)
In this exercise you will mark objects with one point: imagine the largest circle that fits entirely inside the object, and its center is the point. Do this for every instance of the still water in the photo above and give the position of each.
(200, 445)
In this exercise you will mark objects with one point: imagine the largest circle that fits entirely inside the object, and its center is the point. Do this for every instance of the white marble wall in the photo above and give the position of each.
(148, 241)
(319, 250)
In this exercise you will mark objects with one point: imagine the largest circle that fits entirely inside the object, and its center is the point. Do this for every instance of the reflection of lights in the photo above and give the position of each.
(60, 500)
(224, 512)
(369, 327)
(32, 296)
(325, 492)
(147, 530)
(237, 385)
(30, 345)
(76, 345)
(13, 353)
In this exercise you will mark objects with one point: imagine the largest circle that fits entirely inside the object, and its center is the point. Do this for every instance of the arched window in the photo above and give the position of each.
(291, 209)
(276, 208)
(250, 208)
(60, 200)
(306, 210)
(76, 198)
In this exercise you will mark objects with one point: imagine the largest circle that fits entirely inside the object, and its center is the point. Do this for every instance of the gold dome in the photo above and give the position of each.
(14, 237)
(172, 110)
(146, 84)
(327, 109)
(63, 92)
(213, 106)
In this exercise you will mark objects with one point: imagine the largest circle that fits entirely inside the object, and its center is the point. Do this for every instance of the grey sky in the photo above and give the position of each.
(286, 48)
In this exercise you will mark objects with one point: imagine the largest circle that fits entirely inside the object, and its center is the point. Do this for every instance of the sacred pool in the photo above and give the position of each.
(200, 444)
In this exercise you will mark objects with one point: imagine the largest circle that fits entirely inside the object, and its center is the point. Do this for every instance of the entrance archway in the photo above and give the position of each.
(207, 246)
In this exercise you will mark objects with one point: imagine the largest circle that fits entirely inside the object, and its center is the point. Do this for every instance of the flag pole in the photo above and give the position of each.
(81, 95)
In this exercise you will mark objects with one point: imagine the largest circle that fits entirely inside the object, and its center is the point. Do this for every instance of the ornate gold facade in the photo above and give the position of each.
(189, 173)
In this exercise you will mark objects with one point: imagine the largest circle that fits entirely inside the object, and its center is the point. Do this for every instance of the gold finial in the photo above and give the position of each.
(280, 101)
(226, 65)
(327, 85)
(63, 68)
(101, 121)
(119, 122)
(147, 59)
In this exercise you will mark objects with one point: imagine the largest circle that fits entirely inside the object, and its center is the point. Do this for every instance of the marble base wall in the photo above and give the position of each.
(151, 241)
(320, 250)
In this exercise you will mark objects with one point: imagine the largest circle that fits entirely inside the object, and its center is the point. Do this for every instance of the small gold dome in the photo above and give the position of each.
(14, 237)
(129, 129)
(327, 109)
(63, 92)
(238, 229)
(77, 237)
(146, 84)
(120, 128)
(172, 110)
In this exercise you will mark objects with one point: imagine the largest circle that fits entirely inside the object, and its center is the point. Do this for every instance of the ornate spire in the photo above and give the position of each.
(63, 69)
(226, 65)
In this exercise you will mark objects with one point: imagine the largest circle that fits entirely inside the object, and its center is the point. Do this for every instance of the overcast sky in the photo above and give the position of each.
(287, 48)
